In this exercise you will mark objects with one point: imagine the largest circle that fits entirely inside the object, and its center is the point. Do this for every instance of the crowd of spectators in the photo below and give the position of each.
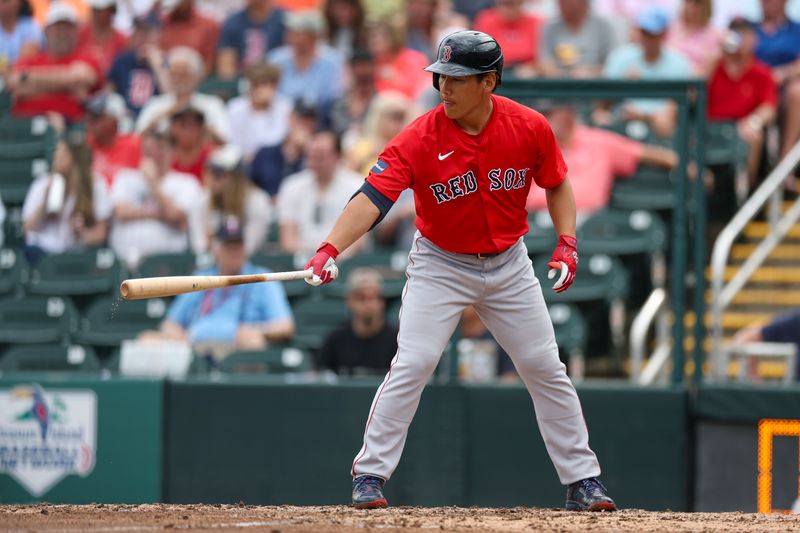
(162, 165)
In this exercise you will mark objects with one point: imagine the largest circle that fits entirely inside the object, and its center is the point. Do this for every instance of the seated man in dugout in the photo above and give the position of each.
(595, 158)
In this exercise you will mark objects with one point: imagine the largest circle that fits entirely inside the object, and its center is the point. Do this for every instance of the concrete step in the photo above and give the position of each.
(731, 320)
(764, 297)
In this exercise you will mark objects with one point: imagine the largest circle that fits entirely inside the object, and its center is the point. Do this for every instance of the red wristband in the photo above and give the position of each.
(329, 249)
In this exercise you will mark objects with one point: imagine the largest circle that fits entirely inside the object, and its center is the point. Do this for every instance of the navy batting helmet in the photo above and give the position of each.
(466, 53)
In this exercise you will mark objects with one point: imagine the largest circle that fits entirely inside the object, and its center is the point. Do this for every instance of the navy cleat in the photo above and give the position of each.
(589, 495)
(368, 492)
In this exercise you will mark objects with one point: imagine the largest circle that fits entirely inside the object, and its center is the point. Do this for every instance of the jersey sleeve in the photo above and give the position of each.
(392, 173)
(551, 169)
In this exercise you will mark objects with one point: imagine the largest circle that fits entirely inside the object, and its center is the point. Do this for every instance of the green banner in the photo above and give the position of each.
(66, 439)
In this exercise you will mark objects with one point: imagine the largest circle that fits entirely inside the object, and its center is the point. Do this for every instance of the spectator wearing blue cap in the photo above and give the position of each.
(649, 59)
(243, 317)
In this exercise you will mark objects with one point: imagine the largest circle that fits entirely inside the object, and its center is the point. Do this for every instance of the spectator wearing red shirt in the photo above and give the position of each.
(515, 30)
(111, 150)
(397, 68)
(98, 39)
(742, 89)
(595, 158)
(59, 79)
(185, 26)
(190, 138)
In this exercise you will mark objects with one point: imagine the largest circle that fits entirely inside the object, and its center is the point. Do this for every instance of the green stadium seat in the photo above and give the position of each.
(315, 318)
(650, 188)
(109, 321)
(281, 262)
(5, 102)
(617, 232)
(13, 228)
(273, 360)
(167, 265)
(600, 277)
(36, 319)
(76, 273)
(13, 271)
(225, 89)
(49, 358)
(541, 237)
(390, 263)
(393, 312)
(723, 144)
(17, 176)
(570, 327)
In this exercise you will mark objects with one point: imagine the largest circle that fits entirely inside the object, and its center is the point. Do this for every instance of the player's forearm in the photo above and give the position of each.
(561, 205)
(356, 219)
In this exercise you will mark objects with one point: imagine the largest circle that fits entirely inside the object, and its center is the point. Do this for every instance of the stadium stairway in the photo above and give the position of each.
(774, 288)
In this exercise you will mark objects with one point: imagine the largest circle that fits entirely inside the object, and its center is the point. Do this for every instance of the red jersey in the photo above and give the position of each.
(730, 99)
(470, 190)
(64, 103)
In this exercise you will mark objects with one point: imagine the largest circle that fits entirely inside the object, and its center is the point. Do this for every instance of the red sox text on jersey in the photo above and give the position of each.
(470, 190)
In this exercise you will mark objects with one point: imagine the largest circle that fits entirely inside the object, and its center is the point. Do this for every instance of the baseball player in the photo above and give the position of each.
(470, 162)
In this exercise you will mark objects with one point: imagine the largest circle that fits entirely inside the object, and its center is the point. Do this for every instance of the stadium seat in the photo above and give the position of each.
(541, 237)
(225, 89)
(13, 228)
(49, 357)
(273, 360)
(13, 271)
(650, 188)
(617, 232)
(78, 273)
(570, 327)
(600, 277)
(36, 319)
(315, 318)
(109, 321)
(18, 174)
(723, 144)
(281, 262)
(167, 265)
(389, 262)
(26, 147)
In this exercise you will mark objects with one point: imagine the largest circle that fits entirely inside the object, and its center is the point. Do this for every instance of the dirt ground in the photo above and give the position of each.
(160, 517)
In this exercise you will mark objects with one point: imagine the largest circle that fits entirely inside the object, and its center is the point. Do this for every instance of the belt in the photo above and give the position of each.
(487, 256)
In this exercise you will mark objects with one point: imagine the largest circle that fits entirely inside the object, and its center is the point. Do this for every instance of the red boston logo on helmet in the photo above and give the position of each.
(446, 54)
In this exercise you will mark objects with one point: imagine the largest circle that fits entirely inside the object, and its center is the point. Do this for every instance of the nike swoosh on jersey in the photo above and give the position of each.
(445, 156)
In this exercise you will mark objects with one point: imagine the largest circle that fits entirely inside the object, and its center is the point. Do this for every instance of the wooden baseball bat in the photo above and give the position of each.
(141, 288)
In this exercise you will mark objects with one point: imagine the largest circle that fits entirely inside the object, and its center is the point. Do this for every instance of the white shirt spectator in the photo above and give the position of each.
(256, 129)
(213, 108)
(313, 211)
(56, 234)
(132, 240)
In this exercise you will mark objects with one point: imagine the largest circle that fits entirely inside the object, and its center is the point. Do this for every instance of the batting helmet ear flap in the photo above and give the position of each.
(436, 81)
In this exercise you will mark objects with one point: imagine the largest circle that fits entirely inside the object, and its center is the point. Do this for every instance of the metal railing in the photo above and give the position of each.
(723, 293)
(653, 311)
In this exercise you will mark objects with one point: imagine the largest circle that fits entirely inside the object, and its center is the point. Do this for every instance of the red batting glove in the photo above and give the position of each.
(323, 265)
(564, 262)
